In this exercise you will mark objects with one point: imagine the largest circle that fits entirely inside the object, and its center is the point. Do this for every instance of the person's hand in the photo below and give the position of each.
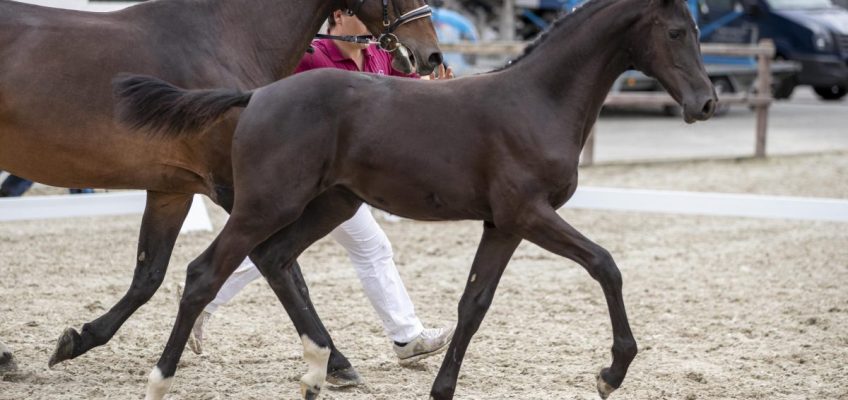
(442, 73)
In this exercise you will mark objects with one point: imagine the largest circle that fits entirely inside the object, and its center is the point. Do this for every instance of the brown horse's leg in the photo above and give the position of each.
(319, 218)
(493, 254)
(160, 226)
(7, 361)
(544, 227)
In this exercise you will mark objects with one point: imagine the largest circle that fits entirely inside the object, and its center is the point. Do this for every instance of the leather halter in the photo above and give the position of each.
(387, 40)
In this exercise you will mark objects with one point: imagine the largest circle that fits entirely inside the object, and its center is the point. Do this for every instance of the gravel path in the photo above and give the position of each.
(722, 308)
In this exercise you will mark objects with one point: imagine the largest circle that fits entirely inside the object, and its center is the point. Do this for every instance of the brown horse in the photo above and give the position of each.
(501, 147)
(57, 125)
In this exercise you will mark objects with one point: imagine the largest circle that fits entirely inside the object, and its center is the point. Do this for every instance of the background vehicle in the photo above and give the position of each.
(813, 33)
(452, 27)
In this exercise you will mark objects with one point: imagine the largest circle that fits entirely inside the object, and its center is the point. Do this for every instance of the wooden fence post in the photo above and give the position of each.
(764, 97)
(588, 157)
(507, 25)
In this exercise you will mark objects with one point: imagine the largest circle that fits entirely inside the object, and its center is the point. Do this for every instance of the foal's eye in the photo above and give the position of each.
(675, 33)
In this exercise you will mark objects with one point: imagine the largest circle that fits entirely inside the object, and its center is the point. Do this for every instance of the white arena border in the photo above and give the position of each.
(93, 205)
(83, 5)
(597, 198)
(706, 203)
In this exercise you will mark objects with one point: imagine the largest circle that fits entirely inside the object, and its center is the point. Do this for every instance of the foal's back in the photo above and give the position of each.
(375, 134)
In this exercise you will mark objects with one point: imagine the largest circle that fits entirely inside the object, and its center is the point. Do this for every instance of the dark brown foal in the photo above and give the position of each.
(501, 147)
(57, 127)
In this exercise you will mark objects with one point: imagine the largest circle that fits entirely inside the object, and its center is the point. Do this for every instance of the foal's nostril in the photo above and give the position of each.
(435, 59)
(709, 107)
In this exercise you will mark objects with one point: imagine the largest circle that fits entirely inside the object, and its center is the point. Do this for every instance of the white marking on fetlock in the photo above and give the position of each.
(316, 358)
(157, 385)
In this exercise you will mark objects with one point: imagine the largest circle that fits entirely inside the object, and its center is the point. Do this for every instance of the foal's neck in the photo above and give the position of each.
(577, 64)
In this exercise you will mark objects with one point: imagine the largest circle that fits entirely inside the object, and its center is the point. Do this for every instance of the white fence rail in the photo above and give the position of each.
(715, 204)
(586, 197)
(94, 205)
(82, 5)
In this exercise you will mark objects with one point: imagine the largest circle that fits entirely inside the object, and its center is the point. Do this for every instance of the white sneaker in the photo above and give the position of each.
(195, 340)
(430, 342)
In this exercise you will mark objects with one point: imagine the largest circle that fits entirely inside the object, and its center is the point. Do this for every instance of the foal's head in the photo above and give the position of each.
(405, 29)
(665, 45)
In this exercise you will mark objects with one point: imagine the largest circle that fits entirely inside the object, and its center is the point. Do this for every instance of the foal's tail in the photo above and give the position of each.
(145, 102)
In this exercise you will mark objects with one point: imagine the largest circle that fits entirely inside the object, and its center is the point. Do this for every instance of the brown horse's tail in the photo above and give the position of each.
(149, 103)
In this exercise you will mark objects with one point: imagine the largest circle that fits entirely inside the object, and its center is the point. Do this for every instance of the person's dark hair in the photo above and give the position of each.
(331, 22)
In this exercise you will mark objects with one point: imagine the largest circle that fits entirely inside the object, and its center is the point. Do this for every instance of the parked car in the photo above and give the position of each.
(813, 33)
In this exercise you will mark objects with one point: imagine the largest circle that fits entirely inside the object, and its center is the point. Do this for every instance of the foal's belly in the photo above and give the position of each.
(405, 198)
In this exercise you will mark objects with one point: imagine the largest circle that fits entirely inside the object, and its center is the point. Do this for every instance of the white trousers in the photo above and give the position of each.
(370, 252)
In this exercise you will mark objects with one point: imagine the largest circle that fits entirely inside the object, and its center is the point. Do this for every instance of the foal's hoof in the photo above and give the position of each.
(309, 392)
(346, 377)
(7, 360)
(64, 347)
(604, 388)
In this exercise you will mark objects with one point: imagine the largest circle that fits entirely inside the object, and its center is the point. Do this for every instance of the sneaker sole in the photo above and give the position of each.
(412, 360)
(195, 347)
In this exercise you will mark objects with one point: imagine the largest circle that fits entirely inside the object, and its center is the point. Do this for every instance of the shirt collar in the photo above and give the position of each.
(336, 55)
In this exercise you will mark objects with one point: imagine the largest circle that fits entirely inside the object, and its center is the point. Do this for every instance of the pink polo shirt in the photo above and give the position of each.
(328, 55)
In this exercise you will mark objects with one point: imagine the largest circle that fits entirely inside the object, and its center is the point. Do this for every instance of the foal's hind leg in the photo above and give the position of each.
(291, 289)
(160, 226)
(204, 277)
(493, 254)
(544, 227)
(319, 218)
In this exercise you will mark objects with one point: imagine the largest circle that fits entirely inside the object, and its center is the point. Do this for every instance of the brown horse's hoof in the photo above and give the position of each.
(7, 360)
(346, 377)
(64, 347)
(309, 392)
(604, 388)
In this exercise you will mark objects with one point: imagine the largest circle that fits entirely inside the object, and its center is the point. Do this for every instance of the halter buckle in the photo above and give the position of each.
(388, 42)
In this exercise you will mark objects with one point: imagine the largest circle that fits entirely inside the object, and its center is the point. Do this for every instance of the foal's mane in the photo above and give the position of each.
(568, 21)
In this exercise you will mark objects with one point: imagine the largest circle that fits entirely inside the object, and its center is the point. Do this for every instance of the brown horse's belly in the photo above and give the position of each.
(78, 158)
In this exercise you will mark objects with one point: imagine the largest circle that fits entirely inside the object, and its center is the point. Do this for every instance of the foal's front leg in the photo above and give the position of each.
(493, 254)
(544, 227)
